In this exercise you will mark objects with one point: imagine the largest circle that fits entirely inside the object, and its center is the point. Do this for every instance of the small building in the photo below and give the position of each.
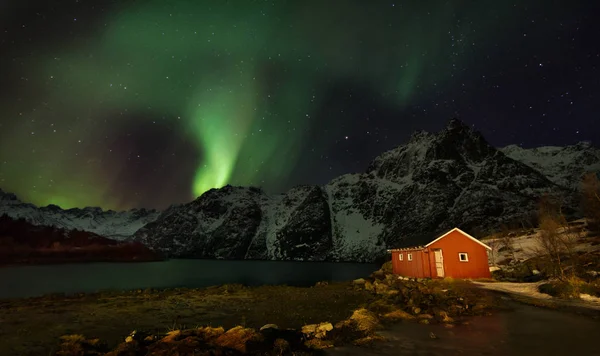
(455, 254)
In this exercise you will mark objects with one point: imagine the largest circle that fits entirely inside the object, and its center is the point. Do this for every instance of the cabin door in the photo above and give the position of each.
(439, 262)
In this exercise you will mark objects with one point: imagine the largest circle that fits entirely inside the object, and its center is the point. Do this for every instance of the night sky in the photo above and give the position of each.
(127, 104)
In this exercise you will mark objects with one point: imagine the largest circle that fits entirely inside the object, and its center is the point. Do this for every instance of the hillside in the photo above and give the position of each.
(564, 166)
(24, 243)
(117, 225)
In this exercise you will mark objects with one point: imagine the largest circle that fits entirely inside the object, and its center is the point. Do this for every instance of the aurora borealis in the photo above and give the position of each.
(144, 104)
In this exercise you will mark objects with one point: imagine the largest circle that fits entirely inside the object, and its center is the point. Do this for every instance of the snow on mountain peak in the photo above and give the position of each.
(111, 224)
(564, 166)
(407, 195)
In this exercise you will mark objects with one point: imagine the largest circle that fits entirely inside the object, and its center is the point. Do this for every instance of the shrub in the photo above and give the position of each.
(568, 288)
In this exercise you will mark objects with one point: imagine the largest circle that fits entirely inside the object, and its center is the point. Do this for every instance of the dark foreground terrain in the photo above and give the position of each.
(377, 315)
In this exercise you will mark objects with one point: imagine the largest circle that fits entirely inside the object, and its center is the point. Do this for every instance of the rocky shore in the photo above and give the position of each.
(384, 299)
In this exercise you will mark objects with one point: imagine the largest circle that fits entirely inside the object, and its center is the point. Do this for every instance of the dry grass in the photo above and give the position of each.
(33, 326)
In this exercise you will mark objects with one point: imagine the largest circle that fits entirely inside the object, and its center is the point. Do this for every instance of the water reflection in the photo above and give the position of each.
(27, 281)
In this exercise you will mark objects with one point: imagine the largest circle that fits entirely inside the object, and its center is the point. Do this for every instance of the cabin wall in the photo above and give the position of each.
(455, 243)
(417, 268)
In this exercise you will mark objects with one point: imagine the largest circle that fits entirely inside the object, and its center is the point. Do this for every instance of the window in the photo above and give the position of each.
(463, 257)
(410, 256)
(401, 257)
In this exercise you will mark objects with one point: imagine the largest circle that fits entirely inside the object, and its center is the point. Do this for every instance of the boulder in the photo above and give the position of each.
(237, 338)
(318, 331)
(365, 321)
(359, 282)
(269, 326)
(171, 336)
(208, 333)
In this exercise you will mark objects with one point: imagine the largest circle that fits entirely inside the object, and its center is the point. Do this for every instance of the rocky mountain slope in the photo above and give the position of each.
(564, 166)
(109, 223)
(24, 243)
(407, 196)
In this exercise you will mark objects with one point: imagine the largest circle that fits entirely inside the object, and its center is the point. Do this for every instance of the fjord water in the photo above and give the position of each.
(31, 281)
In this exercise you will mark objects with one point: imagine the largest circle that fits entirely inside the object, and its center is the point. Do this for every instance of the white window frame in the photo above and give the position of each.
(401, 257)
(460, 254)
(409, 256)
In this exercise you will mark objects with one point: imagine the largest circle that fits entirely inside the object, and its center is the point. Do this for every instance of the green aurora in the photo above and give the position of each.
(241, 80)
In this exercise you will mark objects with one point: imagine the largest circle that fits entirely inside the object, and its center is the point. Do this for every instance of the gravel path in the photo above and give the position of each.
(530, 290)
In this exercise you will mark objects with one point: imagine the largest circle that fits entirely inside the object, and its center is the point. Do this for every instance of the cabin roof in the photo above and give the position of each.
(439, 238)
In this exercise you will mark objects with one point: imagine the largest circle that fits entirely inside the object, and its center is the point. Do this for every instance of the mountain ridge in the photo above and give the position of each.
(407, 195)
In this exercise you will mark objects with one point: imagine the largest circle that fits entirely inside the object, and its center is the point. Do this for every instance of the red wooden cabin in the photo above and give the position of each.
(455, 254)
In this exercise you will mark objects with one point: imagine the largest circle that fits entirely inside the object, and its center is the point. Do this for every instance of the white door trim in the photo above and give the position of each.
(439, 262)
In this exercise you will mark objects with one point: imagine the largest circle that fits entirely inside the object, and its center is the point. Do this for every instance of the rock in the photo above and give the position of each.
(268, 326)
(359, 282)
(209, 333)
(365, 321)
(171, 336)
(535, 272)
(318, 331)
(322, 284)
(392, 292)
(387, 267)
(318, 344)
(398, 315)
(425, 316)
(369, 286)
(416, 310)
(237, 338)
(432, 335)
(380, 287)
(424, 321)
(444, 317)
(390, 279)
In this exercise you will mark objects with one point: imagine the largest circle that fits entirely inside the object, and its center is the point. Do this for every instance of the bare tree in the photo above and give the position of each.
(590, 194)
(494, 244)
(555, 239)
(506, 243)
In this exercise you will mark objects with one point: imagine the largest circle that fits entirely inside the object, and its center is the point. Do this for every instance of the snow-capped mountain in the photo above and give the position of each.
(407, 196)
(109, 223)
(564, 166)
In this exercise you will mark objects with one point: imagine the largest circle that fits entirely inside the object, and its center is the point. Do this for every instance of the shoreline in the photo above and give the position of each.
(248, 318)
(112, 316)
(167, 259)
